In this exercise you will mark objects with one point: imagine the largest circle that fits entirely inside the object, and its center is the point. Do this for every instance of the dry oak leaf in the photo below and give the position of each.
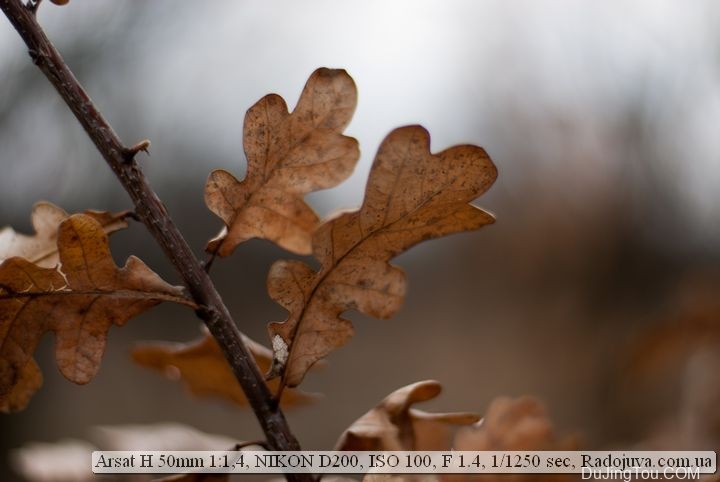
(395, 425)
(411, 196)
(512, 424)
(288, 155)
(204, 370)
(78, 300)
(666, 345)
(41, 248)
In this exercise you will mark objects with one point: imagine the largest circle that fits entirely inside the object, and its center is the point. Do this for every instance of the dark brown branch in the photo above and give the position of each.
(153, 214)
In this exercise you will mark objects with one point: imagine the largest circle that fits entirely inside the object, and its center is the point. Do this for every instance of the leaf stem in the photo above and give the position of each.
(209, 260)
(151, 211)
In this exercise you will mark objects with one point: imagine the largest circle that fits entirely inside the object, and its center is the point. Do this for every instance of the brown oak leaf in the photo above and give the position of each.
(668, 344)
(41, 248)
(204, 370)
(79, 300)
(512, 424)
(411, 196)
(395, 425)
(289, 155)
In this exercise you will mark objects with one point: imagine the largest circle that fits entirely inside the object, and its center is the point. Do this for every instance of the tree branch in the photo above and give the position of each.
(153, 214)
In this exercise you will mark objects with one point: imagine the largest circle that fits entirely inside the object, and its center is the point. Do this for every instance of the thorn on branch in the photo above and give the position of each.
(129, 153)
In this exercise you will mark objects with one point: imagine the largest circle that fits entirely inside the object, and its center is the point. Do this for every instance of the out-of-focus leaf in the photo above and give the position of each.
(203, 369)
(41, 248)
(70, 460)
(519, 424)
(63, 461)
(159, 436)
(512, 424)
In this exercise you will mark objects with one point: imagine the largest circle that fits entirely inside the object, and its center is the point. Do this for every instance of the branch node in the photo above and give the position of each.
(132, 215)
(207, 313)
(37, 56)
(129, 153)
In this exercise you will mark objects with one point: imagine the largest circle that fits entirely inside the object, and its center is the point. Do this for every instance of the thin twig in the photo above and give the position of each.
(153, 214)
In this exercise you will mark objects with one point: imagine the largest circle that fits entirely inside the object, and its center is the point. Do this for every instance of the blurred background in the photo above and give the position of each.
(595, 291)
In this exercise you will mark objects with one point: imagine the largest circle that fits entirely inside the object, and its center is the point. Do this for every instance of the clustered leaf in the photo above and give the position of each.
(519, 424)
(204, 370)
(64, 280)
(288, 155)
(78, 300)
(412, 195)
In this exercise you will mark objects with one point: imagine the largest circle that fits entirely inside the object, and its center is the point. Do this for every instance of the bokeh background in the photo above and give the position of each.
(596, 290)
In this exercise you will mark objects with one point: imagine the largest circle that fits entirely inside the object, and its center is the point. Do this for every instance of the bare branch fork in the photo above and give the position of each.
(151, 211)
